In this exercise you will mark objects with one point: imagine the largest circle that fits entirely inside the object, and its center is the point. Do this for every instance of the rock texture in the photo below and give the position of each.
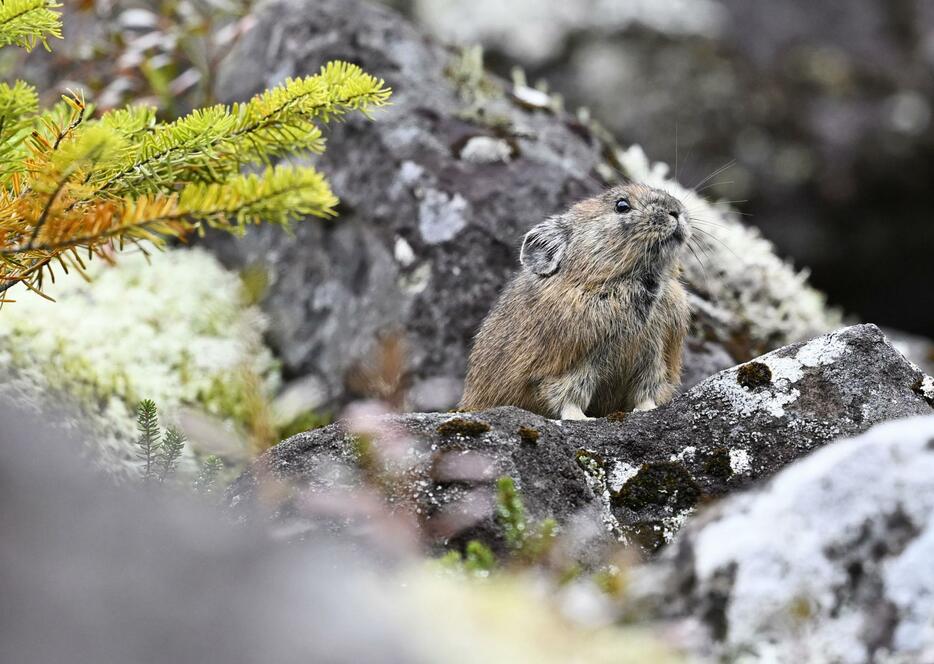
(637, 478)
(436, 194)
(830, 561)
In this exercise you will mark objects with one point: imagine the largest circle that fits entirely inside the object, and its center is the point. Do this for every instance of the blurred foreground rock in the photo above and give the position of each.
(436, 195)
(634, 479)
(830, 561)
(93, 573)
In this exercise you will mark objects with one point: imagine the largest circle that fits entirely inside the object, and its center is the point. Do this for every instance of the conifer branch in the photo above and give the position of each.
(96, 184)
(25, 23)
(70, 183)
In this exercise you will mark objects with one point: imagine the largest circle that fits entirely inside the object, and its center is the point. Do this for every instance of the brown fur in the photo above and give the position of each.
(577, 325)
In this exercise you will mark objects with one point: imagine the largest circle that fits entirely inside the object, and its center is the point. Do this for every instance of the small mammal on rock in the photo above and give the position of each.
(594, 321)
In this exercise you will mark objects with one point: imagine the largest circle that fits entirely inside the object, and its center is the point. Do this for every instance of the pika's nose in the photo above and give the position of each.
(661, 215)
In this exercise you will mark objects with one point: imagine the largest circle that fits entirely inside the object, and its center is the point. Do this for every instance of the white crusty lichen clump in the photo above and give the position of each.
(745, 279)
(173, 328)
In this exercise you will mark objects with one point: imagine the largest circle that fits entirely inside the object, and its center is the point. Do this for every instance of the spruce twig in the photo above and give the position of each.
(147, 423)
(69, 181)
(206, 482)
(169, 453)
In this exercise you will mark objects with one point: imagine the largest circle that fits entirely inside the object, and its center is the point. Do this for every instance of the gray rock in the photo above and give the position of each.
(430, 226)
(637, 479)
(93, 572)
(830, 561)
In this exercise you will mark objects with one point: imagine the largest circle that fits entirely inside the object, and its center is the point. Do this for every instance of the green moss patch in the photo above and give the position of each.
(591, 462)
(664, 483)
(528, 435)
(648, 535)
(460, 426)
(717, 463)
(754, 374)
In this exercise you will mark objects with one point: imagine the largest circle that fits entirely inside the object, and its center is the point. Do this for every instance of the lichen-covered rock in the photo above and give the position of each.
(830, 561)
(638, 477)
(436, 195)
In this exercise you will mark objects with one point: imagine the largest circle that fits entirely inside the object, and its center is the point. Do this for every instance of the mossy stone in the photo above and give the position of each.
(591, 462)
(648, 535)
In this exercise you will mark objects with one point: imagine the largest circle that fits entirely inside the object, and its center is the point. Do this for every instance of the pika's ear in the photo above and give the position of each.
(544, 246)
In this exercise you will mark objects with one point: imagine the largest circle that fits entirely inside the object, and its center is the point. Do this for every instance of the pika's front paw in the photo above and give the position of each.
(645, 404)
(571, 412)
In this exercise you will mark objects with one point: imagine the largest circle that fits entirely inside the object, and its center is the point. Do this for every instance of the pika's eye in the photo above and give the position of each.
(622, 206)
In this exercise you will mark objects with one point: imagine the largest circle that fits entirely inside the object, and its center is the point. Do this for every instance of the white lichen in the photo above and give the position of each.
(621, 473)
(441, 216)
(927, 388)
(173, 329)
(486, 150)
(600, 483)
(673, 524)
(787, 546)
(739, 461)
(687, 454)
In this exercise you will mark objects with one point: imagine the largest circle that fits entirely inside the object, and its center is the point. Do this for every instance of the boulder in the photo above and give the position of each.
(829, 561)
(436, 194)
(633, 478)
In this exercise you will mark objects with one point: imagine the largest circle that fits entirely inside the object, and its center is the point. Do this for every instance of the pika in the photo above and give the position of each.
(595, 319)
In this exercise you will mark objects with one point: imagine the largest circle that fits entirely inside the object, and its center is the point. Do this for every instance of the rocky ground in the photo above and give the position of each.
(828, 561)
(383, 304)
